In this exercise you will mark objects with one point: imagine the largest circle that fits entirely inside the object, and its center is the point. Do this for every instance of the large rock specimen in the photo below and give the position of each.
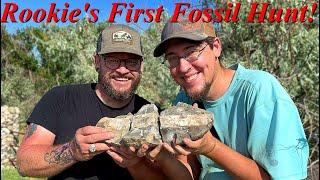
(146, 127)
(183, 120)
(119, 125)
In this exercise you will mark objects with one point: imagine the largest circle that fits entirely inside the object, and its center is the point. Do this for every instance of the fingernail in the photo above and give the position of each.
(132, 149)
(144, 147)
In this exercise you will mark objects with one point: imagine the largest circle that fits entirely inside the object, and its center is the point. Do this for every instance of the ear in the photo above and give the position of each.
(217, 48)
(96, 62)
(141, 67)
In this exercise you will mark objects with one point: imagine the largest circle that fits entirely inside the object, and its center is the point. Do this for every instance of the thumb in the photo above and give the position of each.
(195, 105)
(189, 143)
(154, 153)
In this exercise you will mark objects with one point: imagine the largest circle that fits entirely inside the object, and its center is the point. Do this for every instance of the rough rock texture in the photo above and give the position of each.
(9, 135)
(119, 125)
(144, 127)
(182, 121)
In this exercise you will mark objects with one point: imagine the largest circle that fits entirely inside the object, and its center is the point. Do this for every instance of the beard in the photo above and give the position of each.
(116, 93)
(199, 96)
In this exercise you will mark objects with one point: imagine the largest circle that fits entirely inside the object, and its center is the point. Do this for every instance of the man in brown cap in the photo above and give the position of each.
(61, 140)
(257, 131)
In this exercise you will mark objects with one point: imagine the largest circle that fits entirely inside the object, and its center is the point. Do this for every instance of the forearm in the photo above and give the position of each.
(175, 169)
(236, 164)
(44, 160)
(146, 170)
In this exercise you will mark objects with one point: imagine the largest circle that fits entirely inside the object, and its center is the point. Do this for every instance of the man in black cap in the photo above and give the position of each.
(257, 132)
(61, 140)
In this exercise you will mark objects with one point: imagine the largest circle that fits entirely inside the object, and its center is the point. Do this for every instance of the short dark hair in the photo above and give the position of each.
(209, 40)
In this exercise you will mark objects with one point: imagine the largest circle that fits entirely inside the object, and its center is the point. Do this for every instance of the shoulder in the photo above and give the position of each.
(73, 88)
(55, 92)
(257, 78)
(63, 92)
(263, 85)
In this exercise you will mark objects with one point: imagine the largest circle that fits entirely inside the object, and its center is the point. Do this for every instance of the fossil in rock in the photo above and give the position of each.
(147, 127)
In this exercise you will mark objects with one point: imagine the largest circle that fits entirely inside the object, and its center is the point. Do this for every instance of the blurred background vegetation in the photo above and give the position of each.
(35, 59)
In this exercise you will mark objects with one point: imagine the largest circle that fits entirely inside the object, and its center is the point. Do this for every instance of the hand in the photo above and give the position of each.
(159, 153)
(86, 136)
(124, 156)
(203, 146)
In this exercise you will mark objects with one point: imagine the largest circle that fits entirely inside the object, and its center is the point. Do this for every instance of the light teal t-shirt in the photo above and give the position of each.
(257, 118)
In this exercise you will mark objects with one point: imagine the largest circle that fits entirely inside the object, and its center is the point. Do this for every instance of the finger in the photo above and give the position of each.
(182, 151)
(127, 150)
(169, 148)
(142, 150)
(115, 148)
(100, 147)
(98, 137)
(132, 149)
(87, 130)
(121, 151)
(195, 105)
(154, 153)
(191, 144)
(116, 157)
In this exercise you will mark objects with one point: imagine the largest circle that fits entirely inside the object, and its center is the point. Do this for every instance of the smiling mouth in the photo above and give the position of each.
(191, 78)
(121, 79)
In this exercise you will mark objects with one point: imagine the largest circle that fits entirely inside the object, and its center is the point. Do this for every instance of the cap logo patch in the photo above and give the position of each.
(187, 26)
(121, 36)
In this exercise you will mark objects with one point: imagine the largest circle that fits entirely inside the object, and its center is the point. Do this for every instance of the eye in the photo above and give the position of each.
(171, 58)
(191, 52)
(112, 60)
(132, 62)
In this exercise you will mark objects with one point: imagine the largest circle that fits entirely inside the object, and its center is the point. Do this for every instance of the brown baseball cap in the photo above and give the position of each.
(184, 29)
(119, 38)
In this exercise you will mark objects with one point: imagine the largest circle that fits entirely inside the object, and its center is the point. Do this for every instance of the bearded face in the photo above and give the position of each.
(119, 86)
(200, 94)
(119, 74)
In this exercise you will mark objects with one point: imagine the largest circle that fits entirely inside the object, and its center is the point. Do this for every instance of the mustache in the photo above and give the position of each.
(128, 76)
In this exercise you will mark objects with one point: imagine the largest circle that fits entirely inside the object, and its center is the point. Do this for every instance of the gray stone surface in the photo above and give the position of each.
(183, 120)
(137, 137)
(119, 125)
(9, 135)
(146, 127)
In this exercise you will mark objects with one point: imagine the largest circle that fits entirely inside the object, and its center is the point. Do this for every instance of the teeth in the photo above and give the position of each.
(191, 77)
(121, 79)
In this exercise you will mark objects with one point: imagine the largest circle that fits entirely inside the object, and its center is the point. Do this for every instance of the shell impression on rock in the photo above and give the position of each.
(147, 127)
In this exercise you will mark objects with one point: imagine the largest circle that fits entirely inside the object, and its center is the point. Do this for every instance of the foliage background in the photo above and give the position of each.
(35, 59)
